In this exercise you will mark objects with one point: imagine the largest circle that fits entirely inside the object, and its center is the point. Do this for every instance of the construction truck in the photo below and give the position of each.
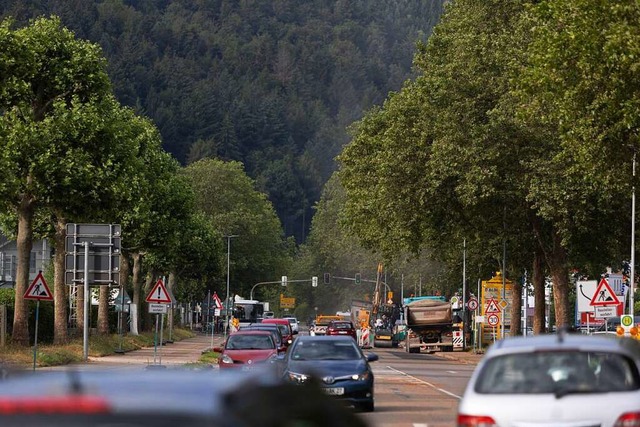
(429, 324)
(319, 326)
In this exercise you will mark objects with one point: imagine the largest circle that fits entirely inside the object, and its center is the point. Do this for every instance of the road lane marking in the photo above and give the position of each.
(448, 393)
(452, 372)
(420, 425)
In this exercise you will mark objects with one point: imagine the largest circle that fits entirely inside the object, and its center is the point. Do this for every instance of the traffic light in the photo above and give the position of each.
(314, 281)
(327, 278)
(358, 278)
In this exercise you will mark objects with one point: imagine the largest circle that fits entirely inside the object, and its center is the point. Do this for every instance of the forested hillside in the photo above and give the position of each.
(270, 83)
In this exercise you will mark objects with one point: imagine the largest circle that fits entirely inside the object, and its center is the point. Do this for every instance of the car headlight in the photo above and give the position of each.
(361, 377)
(226, 359)
(297, 378)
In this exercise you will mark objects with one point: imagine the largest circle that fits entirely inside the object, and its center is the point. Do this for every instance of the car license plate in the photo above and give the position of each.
(383, 337)
(334, 391)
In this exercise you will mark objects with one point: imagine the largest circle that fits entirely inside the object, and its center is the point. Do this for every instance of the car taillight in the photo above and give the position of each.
(630, 419)
(53, 405)
(475, 421)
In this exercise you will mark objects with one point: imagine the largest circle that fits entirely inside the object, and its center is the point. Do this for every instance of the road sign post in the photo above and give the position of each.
(158, 299)
(38, 290)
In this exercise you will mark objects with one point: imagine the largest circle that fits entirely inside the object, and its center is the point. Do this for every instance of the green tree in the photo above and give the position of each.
(54, 91)
(227, 196)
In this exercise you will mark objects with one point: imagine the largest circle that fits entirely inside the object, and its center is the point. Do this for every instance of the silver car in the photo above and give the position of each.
(294, 324)
(555, 380)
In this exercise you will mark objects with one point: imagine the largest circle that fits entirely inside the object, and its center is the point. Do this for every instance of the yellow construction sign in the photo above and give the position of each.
(286, 302)
(492, 295)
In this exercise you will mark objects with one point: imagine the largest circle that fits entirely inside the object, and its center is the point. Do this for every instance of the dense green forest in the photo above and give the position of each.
(272, 84)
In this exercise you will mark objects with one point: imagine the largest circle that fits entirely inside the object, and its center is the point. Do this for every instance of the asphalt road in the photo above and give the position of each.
(412, 390)
(418, 390)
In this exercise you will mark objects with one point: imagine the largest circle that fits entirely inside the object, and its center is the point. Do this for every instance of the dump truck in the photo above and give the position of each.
(429, 324)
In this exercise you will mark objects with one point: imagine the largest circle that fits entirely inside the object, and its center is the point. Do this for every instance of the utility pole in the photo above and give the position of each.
(226, 325)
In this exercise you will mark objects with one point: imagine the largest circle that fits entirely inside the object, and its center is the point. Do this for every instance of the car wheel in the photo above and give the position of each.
(367, 406)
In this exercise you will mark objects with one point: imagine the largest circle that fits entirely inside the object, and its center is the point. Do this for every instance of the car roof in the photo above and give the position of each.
(260, 327)
(324, 338)
(255, 331)
(566, 341)
(276, 321)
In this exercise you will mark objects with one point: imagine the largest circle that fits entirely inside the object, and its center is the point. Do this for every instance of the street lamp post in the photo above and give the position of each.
(226, 324)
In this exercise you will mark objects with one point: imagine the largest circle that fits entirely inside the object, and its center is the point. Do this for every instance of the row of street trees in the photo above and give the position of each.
(519, 133)
(69, 152)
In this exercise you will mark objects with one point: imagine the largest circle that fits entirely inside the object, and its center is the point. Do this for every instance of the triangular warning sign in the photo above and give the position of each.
(159, 294)
(216, 300)
(604, 295)
(39, 289)
(492, 307)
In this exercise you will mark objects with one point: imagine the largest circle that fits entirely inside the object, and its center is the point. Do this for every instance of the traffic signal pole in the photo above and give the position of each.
(279, 282)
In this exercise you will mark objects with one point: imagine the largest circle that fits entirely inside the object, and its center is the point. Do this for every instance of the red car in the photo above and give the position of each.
(342, 327)
(285, 328)
(246, 348)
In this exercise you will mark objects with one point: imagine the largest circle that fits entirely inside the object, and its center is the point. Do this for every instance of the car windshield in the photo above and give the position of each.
(325, 350)
(561, 373)
(250, 342)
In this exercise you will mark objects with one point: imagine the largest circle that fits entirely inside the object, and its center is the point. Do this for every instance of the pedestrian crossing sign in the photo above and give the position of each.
(38, 289)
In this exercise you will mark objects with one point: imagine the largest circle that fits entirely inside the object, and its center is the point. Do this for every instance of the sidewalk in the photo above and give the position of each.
(174, 355)
(469, 356)
(170, 355)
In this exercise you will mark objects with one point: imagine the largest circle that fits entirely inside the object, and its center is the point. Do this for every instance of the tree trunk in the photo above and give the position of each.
(171, 314)
(24, 243)
(148, 318)
(103, 309)
(80, 307)
(557, 262)
(125, 270)
(137, 284)
(60, 293)
(538, 281)
(516, 309)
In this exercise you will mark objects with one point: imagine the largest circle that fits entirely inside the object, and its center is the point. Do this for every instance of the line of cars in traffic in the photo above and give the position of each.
(334, 363)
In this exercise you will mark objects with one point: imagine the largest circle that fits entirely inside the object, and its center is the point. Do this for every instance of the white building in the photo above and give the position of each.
(40, 258)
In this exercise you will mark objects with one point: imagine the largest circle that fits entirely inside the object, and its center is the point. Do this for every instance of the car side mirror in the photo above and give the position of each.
(217, 349)
(372, 357)
(295, 332)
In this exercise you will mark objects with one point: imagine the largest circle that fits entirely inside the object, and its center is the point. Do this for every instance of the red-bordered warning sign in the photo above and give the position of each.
(159, 294)
(216, 301)
(492, 307)
(39, 289)
(604, 295)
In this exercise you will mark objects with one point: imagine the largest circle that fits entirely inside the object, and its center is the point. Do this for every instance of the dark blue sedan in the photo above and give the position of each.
(336, 364)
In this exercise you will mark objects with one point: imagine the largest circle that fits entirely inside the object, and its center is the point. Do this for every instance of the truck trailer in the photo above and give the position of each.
(429, 323)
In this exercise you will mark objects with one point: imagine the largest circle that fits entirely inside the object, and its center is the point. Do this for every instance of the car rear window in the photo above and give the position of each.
(325, 350)
(558, 372)
(342, 325)
(250, 342)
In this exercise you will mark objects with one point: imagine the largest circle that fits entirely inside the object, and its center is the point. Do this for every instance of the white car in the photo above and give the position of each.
(294, 324)
(555, 380)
